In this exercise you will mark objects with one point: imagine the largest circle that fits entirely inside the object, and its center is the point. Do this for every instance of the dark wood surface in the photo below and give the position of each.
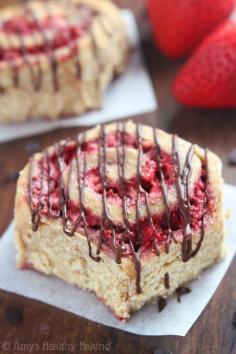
(213, 333)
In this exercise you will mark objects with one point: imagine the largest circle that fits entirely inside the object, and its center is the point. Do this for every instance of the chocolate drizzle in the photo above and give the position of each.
(81, 184)
(182, 290)
(64, 197)
(204, 207)
(126, 231)
(167, 281)
(163, 191)
(161, 304)
(182, 189)
(35, 79)
(35, 212)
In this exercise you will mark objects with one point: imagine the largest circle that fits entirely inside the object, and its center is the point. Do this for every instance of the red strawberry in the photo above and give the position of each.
(179, 25)
(208, 79)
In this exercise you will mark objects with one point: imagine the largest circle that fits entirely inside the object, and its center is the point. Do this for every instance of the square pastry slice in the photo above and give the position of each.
(58, 56)
(124, 210)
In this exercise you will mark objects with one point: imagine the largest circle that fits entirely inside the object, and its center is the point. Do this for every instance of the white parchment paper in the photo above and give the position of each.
(175, 319)
(129, 95)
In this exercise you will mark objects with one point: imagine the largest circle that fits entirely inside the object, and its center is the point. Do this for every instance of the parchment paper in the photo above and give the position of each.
(175, 319)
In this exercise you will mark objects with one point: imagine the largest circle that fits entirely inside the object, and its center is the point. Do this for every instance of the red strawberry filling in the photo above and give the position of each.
(47, 190)
(56, 32)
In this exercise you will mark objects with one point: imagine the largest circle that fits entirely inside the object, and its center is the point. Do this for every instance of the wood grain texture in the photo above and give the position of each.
(213, 332)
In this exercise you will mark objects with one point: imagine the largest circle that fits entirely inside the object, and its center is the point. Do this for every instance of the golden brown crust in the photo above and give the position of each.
(102, 55)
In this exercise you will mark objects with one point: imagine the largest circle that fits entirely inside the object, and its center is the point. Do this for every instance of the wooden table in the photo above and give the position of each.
(213, 332)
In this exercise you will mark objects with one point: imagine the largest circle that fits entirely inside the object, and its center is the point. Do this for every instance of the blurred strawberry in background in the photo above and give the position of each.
(180, 25)
(208, 79)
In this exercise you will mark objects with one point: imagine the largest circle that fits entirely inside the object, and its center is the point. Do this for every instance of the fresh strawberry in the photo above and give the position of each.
(179, 25)
(208, 79)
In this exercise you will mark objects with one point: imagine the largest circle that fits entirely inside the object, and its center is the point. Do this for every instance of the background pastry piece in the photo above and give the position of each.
(126, 211)
(58, 57)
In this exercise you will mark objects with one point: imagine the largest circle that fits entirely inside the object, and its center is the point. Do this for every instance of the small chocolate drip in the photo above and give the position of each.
(204, 206)
(161, 304)
(64, 193)
(182, 188)
(182, 290)
(167, 281)
(163, 191)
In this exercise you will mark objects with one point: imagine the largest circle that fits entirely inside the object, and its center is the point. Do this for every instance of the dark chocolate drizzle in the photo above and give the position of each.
(167, 281)
(163, 191)
(204, 208)
(182, 290)
(182, 189)
(161, 304)
(35, 212)
(35, 78)
(182, 181)
(81, 184)
(121, 171)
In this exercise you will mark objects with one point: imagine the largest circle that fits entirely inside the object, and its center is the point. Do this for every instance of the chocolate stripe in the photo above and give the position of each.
(182, 187)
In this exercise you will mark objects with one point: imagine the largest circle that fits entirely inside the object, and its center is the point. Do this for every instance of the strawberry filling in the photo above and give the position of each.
(57, 32)
(46, 192)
